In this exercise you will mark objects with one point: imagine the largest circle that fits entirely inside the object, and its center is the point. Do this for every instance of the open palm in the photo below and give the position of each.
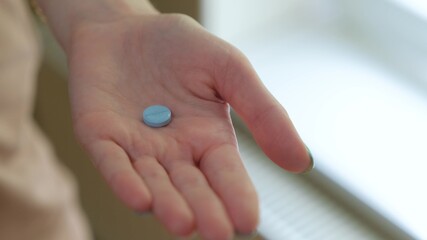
(188, 173)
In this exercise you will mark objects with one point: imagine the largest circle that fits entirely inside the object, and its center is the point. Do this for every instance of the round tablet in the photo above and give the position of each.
(157, 116)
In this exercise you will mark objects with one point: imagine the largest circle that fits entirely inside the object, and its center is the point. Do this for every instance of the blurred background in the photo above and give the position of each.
(353, 77)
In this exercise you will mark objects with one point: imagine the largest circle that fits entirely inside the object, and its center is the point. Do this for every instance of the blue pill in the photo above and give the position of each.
(157, 116)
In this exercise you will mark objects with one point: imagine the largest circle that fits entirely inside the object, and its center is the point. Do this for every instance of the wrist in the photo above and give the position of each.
(101, 11)
(67, 17)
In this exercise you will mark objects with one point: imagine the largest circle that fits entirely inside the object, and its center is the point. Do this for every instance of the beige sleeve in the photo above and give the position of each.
(38, 197)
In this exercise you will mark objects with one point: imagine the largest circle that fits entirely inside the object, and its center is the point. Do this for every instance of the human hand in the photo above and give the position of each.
(189, 173)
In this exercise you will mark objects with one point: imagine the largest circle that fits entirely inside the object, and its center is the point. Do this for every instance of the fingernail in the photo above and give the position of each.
(311, 166)
(143, 214)
(189, 237)
(246, 236)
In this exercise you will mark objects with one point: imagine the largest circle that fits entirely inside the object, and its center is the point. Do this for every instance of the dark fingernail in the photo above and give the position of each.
(143, 214)
(311, 166)
(189, 237)
(246, 236)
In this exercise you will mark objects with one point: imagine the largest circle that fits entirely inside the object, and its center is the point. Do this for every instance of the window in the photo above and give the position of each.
(353, 76)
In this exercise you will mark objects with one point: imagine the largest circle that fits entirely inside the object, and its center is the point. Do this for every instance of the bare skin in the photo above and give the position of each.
(189, 174)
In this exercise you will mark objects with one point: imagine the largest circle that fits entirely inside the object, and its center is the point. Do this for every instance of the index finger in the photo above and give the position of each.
(226, 174)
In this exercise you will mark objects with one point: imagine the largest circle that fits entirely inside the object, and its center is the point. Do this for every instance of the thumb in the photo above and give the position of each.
(265, 117)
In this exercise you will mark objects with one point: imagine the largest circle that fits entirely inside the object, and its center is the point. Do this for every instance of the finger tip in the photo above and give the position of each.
(132, 194)
(182, 227)
(139, 202)
(178, 221)
(298, 160)
(228, 235)
(247, 220)
(222, 230)
(302, 167)
(285, 148)
(246, 236)
(190, 236)
(247, 228)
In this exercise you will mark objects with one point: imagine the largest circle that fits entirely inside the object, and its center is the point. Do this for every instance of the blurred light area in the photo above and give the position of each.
(365, 125)
(241, 19)
(417, 6)
(352, 75)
